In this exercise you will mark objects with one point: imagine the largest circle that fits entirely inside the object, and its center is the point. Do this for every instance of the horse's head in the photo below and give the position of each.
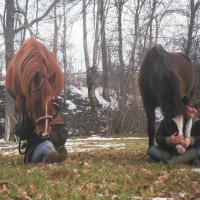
(39, 104)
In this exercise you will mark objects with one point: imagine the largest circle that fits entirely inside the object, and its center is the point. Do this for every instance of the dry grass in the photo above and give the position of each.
(99, 174)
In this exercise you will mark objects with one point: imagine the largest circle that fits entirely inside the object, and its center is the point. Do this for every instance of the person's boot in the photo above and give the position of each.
(52, 156)
(185, 158)
(62, 153)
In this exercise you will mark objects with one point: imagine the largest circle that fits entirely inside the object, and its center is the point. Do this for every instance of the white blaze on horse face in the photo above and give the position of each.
(45, 133)
(179, 122)
(188, 128)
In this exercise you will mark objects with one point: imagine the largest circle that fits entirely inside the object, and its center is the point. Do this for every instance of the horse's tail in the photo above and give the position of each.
(169, 86)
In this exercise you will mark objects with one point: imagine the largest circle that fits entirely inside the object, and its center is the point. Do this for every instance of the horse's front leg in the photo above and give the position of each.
(179, 122)
(151, 125)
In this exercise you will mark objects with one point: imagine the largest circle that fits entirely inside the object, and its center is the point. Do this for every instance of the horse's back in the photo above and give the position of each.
(165, 75)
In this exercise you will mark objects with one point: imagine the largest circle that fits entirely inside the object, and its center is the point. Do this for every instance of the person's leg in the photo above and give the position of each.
(197, 147)
(158, 154)
(62, 153)
(197, 160)
(45, 152)
(186, 158)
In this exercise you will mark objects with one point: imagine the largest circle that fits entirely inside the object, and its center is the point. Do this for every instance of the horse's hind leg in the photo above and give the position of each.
(150, 111)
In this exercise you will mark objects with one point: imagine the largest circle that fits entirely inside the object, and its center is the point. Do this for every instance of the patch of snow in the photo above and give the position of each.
(71, 105)
(136, 197)
(59, 97)
(72, 145)
(2, 141)
(113, 104)
(98, 138)
(101, 100)
(196, 170)
(83, 147)
(81, 93)
(84, 91)
(2, 83)
(162, 198)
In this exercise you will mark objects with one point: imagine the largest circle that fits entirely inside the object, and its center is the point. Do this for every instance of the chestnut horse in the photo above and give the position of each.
(34, 79)
(165, 80)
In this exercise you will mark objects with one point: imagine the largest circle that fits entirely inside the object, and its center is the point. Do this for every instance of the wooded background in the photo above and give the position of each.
(106, 39)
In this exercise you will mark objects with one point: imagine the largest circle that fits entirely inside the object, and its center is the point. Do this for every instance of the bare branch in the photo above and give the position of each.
(39, 18)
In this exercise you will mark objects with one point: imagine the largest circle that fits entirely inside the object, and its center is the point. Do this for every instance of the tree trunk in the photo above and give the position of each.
(9, 51)
(91, 71)
(86, 55)
(122, 93)
(64, 50)
(55, 37)
(121, 60)
(151, 23)
(193, 9)
(136, 21)
(104, 53)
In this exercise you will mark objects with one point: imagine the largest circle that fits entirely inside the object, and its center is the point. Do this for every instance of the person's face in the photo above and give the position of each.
(191, 111)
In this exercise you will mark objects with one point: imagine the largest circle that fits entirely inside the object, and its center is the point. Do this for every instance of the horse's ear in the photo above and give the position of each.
(52, 78)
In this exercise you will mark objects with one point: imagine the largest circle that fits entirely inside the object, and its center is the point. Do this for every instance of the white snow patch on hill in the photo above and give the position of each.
(113, 104)
(71, 105)
(83, 93)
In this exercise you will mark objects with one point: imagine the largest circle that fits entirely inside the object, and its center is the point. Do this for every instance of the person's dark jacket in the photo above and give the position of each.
(167, 128)
(58, 136)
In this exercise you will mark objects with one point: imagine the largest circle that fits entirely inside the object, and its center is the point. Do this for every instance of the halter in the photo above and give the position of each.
(46, 116)
(42, 118)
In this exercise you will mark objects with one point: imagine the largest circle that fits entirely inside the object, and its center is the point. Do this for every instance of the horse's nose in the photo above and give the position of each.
(44, 135)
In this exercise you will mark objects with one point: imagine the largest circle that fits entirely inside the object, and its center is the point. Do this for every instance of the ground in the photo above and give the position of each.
(115, 169)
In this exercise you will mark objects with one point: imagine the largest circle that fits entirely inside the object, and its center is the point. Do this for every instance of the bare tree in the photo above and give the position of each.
(9, 51)
(193, 10)
(91, 71)
(55, 34)
(85, 43)
(104, 50)
(64, 48)
(138, 8)
(119, 5)
(153, 9)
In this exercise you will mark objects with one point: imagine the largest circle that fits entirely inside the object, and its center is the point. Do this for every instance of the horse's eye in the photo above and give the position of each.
(37, 80)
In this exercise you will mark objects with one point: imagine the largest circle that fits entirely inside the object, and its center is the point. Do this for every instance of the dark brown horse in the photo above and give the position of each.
(34, 79)
(166, 80)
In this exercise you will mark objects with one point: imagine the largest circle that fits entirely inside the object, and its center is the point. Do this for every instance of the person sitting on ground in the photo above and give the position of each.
(38, 150)
(167, 138)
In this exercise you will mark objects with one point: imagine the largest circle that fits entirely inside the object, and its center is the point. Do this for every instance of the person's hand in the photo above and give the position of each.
(176, 139)
(187, 141)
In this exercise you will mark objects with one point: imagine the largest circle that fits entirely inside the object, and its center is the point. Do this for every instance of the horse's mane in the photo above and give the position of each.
(33, 57)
